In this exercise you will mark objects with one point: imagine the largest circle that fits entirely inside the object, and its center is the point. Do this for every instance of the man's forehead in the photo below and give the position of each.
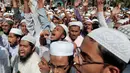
(74, 26)
(59, 59)
(5, 23)
(89, 44)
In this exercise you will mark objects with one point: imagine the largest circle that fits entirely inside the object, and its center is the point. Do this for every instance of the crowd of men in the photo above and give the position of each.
(71, 38)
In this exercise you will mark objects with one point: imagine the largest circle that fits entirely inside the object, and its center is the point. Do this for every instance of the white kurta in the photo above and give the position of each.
(4, 43)
(44, 52)
(14, 50)
(78, 41)
(31, 66)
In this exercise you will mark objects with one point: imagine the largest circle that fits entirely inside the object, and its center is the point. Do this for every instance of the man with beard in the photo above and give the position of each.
(104, 50)
(28, 59)
(59, 33)
(11, 44)
(14, 37)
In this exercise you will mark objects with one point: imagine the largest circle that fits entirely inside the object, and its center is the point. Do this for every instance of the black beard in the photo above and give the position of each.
(15, 44)
(24, 59)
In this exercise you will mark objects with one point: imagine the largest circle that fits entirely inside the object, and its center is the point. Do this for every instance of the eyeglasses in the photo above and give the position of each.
(86, 59)
(61, 67)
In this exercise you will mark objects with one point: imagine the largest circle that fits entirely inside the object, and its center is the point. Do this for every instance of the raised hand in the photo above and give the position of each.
(77, 2)
(40, 3)
(116, 10)
(100, 4)
(85, 3)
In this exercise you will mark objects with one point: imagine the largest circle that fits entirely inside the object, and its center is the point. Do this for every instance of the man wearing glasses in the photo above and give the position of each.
(61, 57)
(104, 50)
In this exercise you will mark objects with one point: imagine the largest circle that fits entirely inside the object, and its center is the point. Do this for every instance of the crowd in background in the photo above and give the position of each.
(42, 37)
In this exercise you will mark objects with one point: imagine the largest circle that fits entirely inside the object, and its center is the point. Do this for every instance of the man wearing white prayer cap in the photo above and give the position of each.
(7, 25)
(24, 27)
(59, 32)
(126, 30)
(104, 50)
(14, 38)
(61, 56)
(88, 25)
(75, 33)
(28, 59)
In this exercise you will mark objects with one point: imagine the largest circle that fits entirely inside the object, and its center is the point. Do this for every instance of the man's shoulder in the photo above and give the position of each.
(35, 58)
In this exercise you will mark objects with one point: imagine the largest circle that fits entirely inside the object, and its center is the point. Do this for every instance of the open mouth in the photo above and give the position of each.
(21, 53)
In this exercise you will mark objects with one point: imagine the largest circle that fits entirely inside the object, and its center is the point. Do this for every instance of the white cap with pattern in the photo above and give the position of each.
(114, 41)
(29, 38)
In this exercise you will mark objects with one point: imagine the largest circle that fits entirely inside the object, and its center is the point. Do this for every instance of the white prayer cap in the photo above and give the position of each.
(73, 19)
(95, 20)
(77, 23)
(88, 15)
(6, 14)
(107, 13)
(89, 21)
(120, 14)
(9, 19)
(61, 48)
(65, 28)
(93, 12)
(128, 12)
(126, 19)
(62, 15)
(121, 21)
(56, 9)
(125, 29)
(16, 31)
(29, 38)
(114, 41)
(23, 21)
(111, 8)
(11, 14)
(71, 10)
(67, 10)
